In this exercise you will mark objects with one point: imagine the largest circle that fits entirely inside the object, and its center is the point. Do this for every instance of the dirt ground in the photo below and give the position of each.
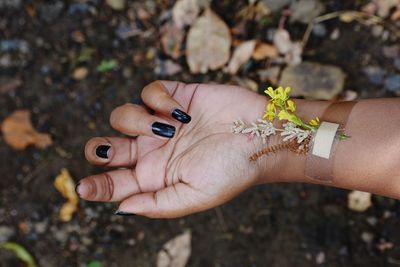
(271, 225)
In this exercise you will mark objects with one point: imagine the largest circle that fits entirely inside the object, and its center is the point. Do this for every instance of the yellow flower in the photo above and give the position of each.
(270, 113)
(284, 115)
(291, 106)
(270, 91)
(314, 122)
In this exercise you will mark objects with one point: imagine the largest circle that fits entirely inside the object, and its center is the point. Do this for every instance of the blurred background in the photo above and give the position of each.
(64, 65)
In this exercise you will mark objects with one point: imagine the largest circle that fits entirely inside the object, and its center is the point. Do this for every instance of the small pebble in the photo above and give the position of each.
(375, 74)
(5, 233)
(319, 30)
(320, 258)
(392, 83)
(367, 237)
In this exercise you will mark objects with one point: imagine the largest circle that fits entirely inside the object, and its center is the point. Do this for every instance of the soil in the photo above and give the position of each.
(270, 225)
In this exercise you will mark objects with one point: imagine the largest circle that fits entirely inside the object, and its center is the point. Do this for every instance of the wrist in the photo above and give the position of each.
(283, 165)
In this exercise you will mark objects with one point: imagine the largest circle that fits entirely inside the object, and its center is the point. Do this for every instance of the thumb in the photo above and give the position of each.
(174, 201)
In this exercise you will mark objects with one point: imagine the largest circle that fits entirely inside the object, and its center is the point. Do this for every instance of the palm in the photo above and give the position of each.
(202, 166)
(204, 156)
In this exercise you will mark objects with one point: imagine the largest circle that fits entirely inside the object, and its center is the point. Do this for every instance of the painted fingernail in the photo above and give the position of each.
(181, 116)
(122, 213)
(162, 129)
(77, 188)
(102, 151)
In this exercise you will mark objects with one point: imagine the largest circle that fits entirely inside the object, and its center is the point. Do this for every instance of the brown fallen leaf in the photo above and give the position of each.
(384, 6)
(176, 252)
(292, 50)
(19, 133)
(171, 39)
(264, 50)
(240, 56)
(208, 43)
(66, 186)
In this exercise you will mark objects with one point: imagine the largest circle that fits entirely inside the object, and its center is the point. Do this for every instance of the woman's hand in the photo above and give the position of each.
(203, 165)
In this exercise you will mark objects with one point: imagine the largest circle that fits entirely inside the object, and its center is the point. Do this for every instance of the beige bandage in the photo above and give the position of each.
(320, 159)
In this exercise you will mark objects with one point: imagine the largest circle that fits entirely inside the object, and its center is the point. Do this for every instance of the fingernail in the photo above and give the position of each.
(76, 189)
(162, 129)
(122, 213)
(181, 116)
(102, 151)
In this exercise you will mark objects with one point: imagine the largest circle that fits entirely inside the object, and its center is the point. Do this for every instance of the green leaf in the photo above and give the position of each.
(94, 264)
(343, 137)
(107, 65)
(20, 252)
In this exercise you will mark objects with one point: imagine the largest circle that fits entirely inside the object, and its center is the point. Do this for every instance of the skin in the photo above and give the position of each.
(204, 165)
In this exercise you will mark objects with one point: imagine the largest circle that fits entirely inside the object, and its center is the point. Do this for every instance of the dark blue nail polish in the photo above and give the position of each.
(162, 129)
(102, 151)
(122, 213)
(181, 116)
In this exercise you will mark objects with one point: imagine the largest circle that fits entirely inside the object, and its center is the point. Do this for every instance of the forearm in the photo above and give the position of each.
(368, 161)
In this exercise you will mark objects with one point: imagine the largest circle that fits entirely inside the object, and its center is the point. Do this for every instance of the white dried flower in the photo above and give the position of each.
(238, 126)
(291, 131)
(261, 129)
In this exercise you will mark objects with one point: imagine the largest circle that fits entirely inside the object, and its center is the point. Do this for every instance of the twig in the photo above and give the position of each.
(357, 15)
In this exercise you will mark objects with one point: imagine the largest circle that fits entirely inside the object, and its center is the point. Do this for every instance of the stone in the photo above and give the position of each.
(313, 80)
(10, 3)
(396, 63)
(305, 11)
(367, 237)
(319, 30)
(51, 11)
(5, 233)
(392, 83)
(276, 5)
(375, 74)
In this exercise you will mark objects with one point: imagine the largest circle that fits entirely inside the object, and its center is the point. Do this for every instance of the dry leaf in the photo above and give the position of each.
(359, 201)
(171, 40)
(384, 6)
(185, 12)
(176, 252)
(208, 43)
(66, 186)
(292, 50)
(116, 4)
(282, 41)
(263, 51)
(240, 56)
(19, 133)
(254, 11)
(294, 56)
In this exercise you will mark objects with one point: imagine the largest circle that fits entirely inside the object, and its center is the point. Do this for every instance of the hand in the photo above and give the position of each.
(203, 165)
